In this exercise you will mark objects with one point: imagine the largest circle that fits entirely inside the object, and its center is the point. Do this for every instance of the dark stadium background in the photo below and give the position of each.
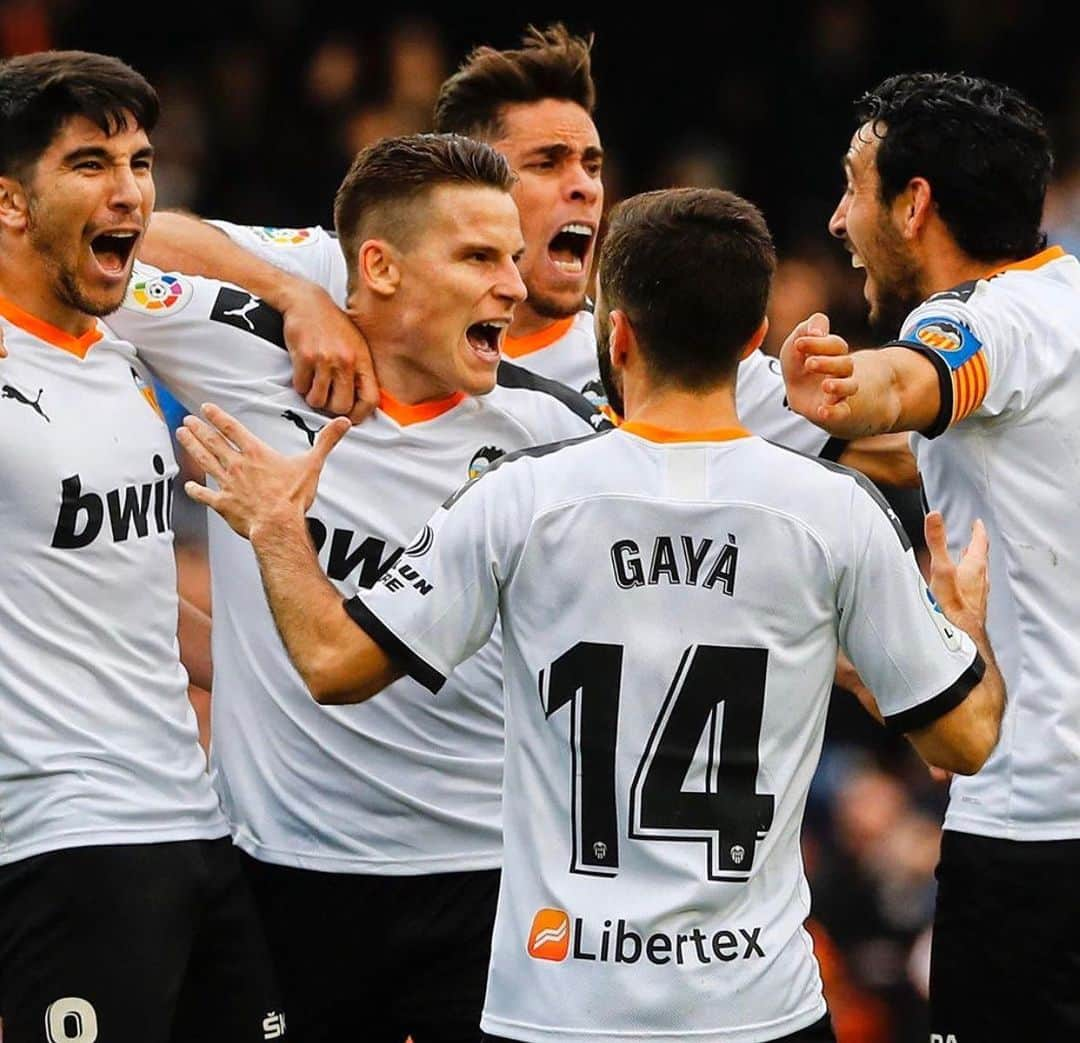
(265, 102)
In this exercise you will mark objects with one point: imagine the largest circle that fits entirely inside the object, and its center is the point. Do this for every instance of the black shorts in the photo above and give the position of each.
(134, 943)
(1005, 957)
(820, 1032)
(379, 958)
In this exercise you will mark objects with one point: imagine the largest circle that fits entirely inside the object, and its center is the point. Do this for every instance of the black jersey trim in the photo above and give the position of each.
(959, 292)
(249, 313)
(940, 423)
(511, 376)
(399, 652)
(833, 449)
(928, 712)
(518, 454)
(864, 483)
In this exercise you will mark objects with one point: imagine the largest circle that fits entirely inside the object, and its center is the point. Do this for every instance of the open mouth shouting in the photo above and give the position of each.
(486, 338)
(113, 250)
(569, 249)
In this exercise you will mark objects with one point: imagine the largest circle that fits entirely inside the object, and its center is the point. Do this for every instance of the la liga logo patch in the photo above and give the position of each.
(284, 236)
(159, 293)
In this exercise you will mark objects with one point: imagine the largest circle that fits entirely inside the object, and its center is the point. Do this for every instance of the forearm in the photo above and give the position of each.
(185, 243)
(337, 660)
(193, 633)
(884, 459)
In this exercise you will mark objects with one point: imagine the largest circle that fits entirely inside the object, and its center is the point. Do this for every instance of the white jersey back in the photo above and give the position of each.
(671, 614)
(98, 741)
(565, 351)
(1008, 354)
(402, 786)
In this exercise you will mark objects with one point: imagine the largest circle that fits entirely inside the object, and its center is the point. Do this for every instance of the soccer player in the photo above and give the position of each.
(946, 177)
(533, 104)
(371, 834)
(672, 595)
(124, 914)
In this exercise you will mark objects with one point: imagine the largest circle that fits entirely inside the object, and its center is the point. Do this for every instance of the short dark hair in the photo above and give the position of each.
(691, 268)
(551, 63)
(982, 147)
(39, 92)
(385, 178)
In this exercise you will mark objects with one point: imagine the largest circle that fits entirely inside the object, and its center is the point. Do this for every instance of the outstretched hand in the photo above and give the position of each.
(960, 588)
(257, 486)
(818, 372)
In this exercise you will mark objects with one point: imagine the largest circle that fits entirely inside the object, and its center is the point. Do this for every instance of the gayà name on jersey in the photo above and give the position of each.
(687, 560)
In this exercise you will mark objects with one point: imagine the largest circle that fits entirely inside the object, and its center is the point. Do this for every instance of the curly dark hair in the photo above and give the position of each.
(983, 148)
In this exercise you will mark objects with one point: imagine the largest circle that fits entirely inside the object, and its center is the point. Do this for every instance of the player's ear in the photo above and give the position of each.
(621, 339)
(378, 267)
(14, 206)
(914, 207)
(756, 340)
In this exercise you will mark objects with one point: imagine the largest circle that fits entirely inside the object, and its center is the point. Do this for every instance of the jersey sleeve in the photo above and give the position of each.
(438, 603)
(312, 253)
(204, 340)
(761, 402)
(917, 664)
(980, 370)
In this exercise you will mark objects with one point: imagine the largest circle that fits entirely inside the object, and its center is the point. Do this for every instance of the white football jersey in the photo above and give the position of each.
(98, 741)
(565, 351)
(671, 612)
(1006, 449)
(402, 786)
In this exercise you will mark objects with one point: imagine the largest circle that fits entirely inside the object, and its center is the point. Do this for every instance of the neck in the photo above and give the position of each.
(526, 322)
(403, 380)
(676, 409)
(945, 265)
(29, 286)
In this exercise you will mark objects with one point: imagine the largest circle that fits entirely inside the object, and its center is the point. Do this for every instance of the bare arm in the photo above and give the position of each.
(961, 740)
(194, 635)
(884, 459)
(264, 496)
(852, 395)
(332, 365)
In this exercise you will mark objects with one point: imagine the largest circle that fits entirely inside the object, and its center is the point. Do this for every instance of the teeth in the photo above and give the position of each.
(577, 229)
(857, 261)
(572, 267)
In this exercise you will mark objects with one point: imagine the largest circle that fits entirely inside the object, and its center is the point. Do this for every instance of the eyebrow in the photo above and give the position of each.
(99, 152)
(561, 151)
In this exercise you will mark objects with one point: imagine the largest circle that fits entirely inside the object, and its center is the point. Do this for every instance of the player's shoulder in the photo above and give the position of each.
(548, 409)
(828, 496)
(519, 467)
(177, 298)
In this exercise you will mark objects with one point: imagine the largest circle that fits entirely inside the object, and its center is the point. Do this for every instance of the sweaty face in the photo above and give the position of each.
(459, 285)
(89, 199)
(870, 231)
(554, 148)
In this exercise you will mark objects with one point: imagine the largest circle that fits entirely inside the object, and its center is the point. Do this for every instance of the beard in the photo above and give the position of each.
(612, 384)
(65, 284)
(551, 307)
(898, 281)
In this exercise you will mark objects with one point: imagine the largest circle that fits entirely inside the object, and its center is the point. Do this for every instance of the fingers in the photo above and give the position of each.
(366, 388)
(303, 375)
(979, 547)
(329, 437)
(810, 345)
(201, 494)
(817, 325)
(830, 365)
(319, 392)
(231, 428)
(208, 461)
(836, 390)
(3, 346)
(936, 538)
(342, 393)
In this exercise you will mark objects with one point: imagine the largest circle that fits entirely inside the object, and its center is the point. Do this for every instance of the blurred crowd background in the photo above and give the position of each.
(265, 104)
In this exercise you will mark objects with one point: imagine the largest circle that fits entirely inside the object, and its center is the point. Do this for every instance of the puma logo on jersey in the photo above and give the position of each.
(696, 563)
(248, 313)
(9, 391)
(82, 514)
(482, 459)
(549, 938)
(301, 423)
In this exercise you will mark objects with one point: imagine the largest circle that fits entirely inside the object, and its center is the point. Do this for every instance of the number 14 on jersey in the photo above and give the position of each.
(716, 690)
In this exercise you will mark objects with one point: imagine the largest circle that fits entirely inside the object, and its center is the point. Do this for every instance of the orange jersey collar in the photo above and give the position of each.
(653, 433)
(406, 414)
(49, 333)
(515, 347)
